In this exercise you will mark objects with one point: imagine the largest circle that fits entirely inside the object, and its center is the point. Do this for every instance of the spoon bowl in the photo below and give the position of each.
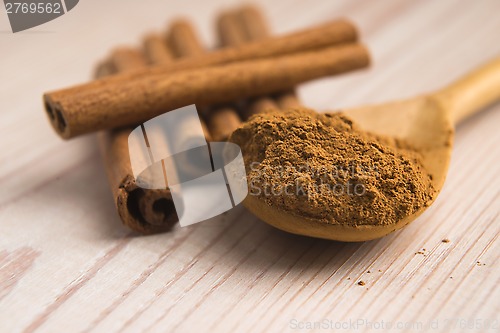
(426, 122)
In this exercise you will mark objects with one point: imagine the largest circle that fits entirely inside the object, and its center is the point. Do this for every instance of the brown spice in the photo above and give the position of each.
(322, 166)
(361, 283)
(155, 49)
(113, 104)
(223, 120)
(145, 211)
(332, 33)
(253, 22)
(229, 30)
(184, 42)
(446, 240)
(183, 37)
(254, 26)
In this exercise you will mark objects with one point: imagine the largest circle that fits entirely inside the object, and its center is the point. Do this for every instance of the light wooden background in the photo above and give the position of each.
(67, 264)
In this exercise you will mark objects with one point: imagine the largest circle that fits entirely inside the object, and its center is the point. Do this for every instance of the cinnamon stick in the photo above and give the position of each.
(253, 23)
(328, 34)
(137, 100)
(259, 105)
(255, 27)
(127, 60)
(183, 40)
(333, 33)
(229, 30)
(155, 50)
(221, 121)
(225, 120)
(145, 211)
(288, 100)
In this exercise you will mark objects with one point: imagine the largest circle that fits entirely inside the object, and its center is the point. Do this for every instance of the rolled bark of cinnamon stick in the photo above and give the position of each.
(328, 34)
(255, 27)
(224, 120)
(229, 30)
(288, 100)
(137, 100)
(158, 53)
(155, 50)
(183, 41)
(221, 121)
(253, 23)
(333, 33)
(145, 211)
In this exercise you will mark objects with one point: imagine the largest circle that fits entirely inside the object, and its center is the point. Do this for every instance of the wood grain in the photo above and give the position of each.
(66, 262)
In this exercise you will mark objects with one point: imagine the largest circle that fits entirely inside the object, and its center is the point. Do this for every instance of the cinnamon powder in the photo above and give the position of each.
(322, 166)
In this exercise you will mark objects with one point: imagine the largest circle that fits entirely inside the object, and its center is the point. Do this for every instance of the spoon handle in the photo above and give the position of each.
(472, 92)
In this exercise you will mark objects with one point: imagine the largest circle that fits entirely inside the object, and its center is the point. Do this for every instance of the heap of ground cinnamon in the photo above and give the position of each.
(322, 166)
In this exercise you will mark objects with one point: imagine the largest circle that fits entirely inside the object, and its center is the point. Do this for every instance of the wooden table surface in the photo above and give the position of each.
(67, 264)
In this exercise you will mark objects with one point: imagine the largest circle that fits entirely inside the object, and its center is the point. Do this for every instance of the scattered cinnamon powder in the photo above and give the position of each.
(322, 166)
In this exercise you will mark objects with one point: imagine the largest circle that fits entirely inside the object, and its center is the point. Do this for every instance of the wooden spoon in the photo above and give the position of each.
(426, 122)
